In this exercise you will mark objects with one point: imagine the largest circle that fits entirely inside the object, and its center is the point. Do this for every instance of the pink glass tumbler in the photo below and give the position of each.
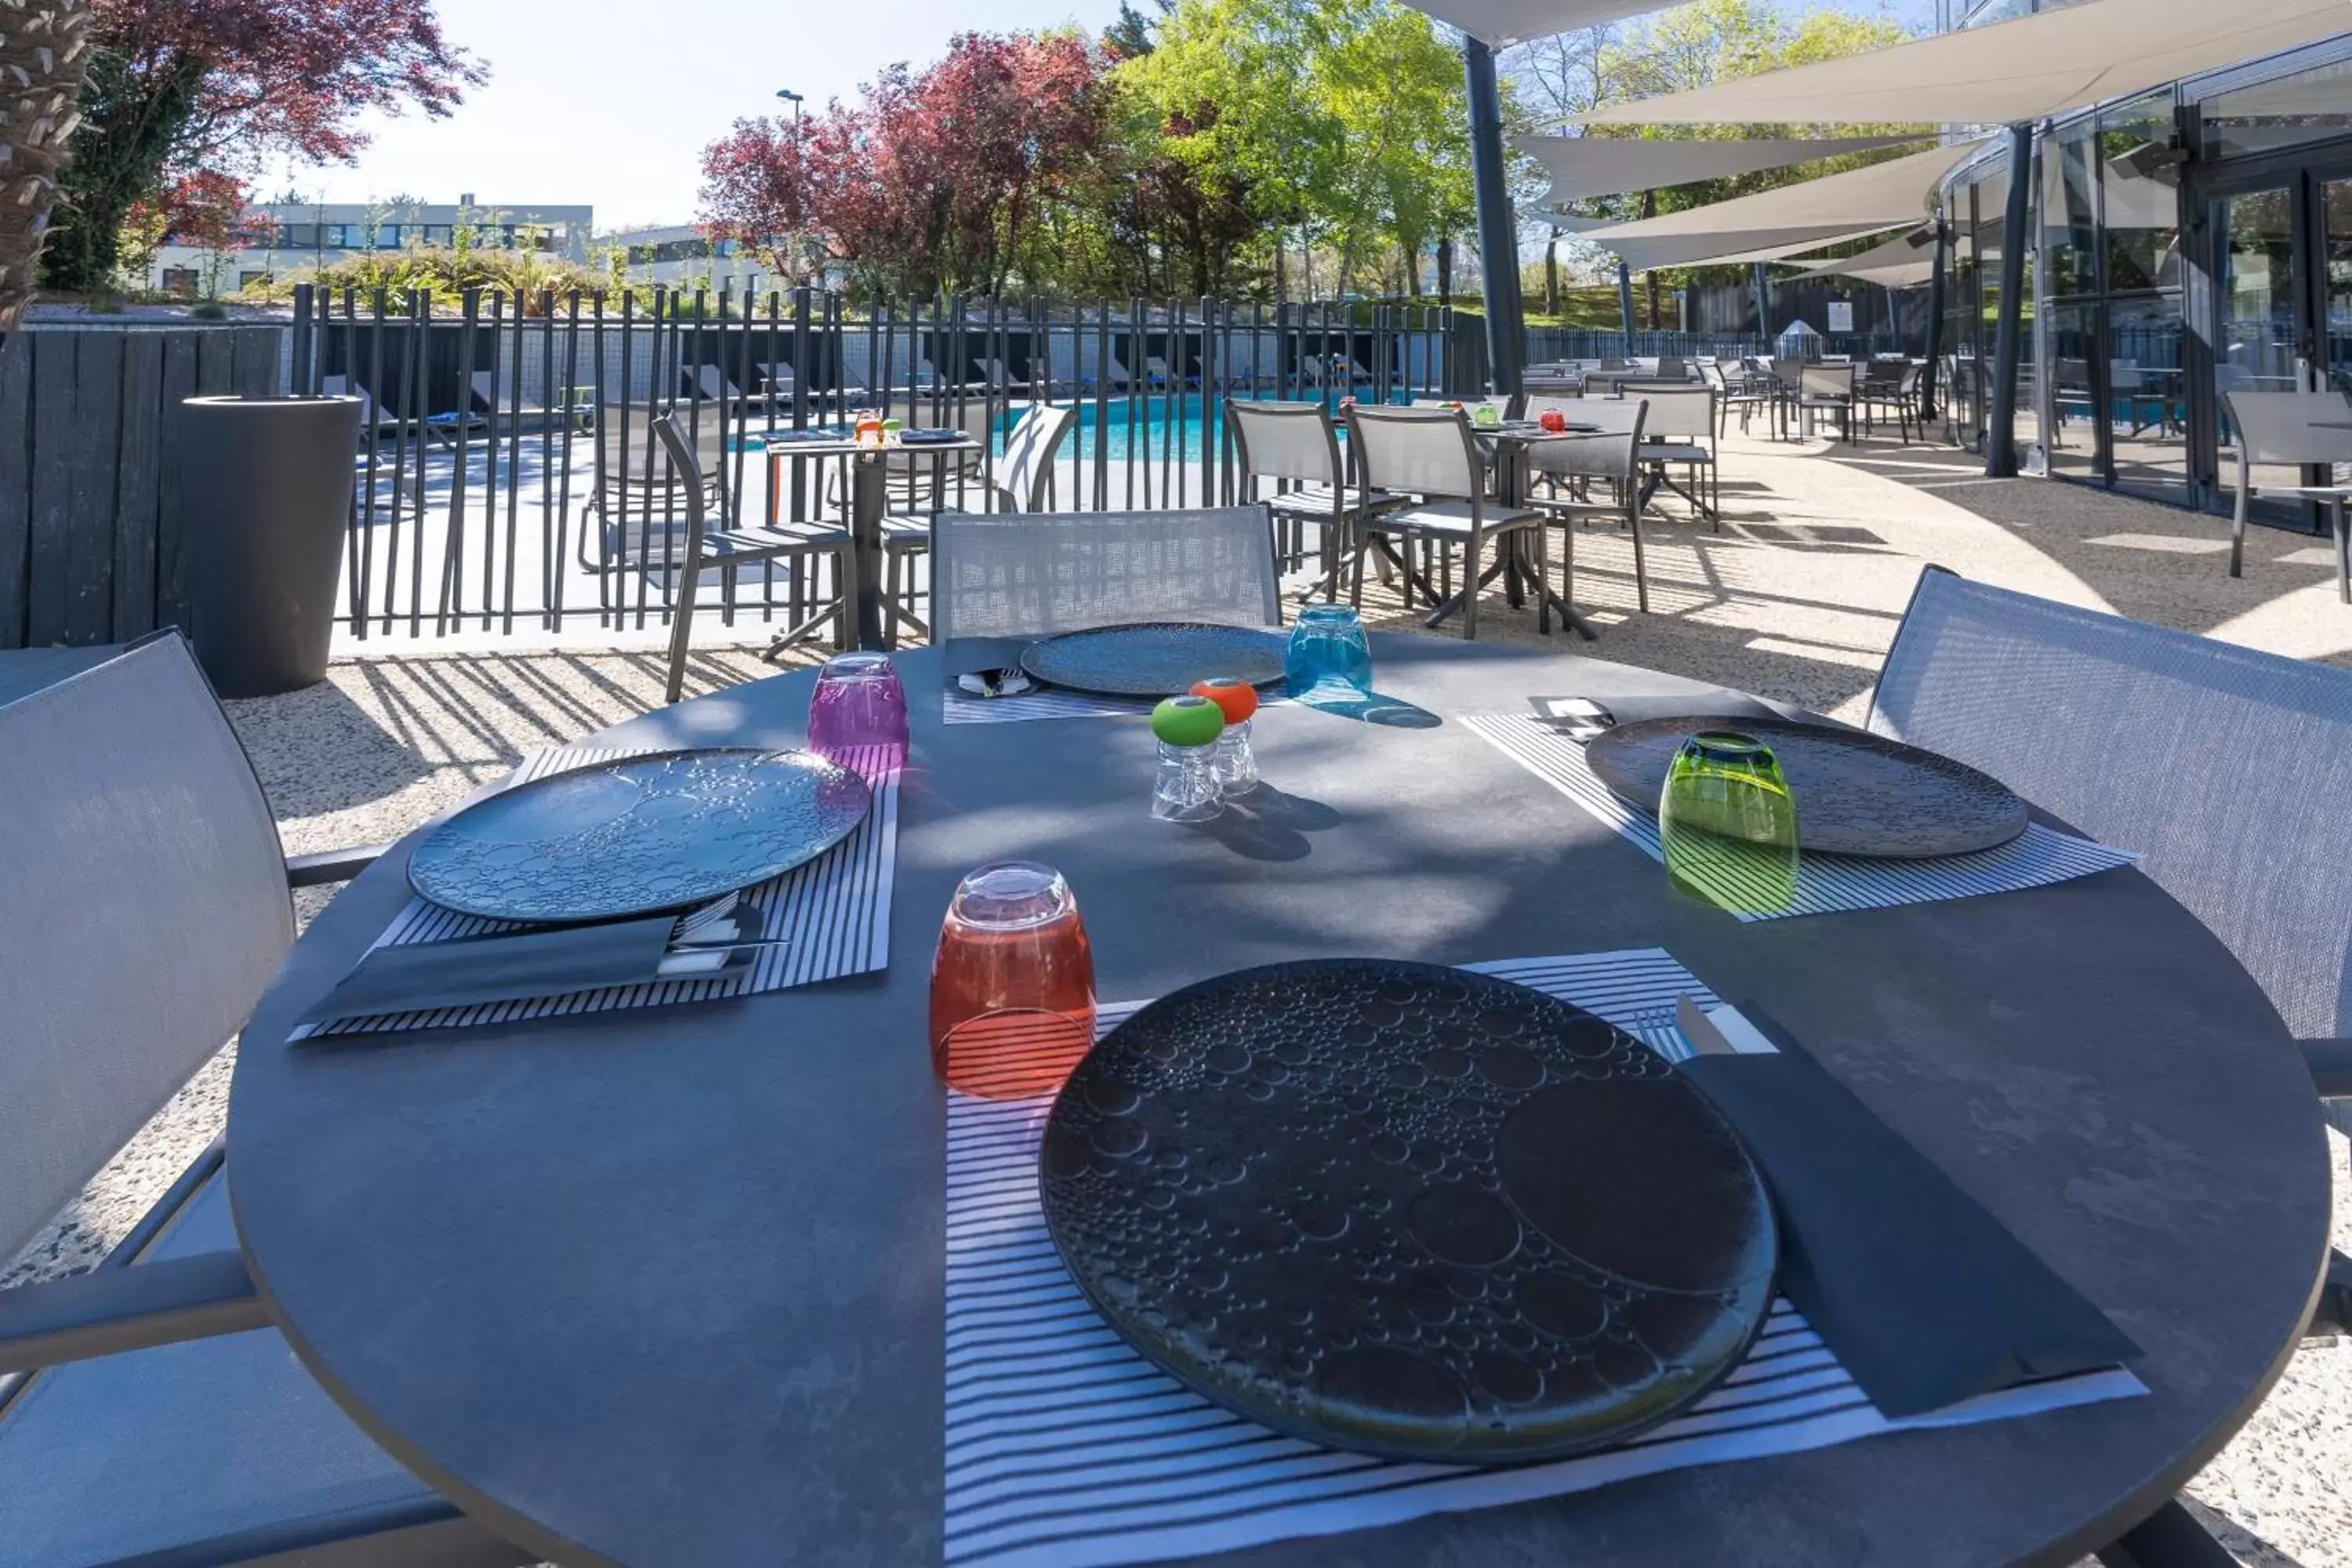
(858, 704)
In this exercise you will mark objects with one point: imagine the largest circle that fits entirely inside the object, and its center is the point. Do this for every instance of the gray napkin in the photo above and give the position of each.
(1926, 1298)
(422, 976)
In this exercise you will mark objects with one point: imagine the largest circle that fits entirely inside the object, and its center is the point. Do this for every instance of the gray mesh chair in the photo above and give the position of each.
(1569, 467)
(2293, 429)
(997, 574)
(1022, 480)
(2237, 824)
(1827, 389)
(149, 1413)
(803, 544)
(1680, 432)
(1433, 454)
(1297, 445)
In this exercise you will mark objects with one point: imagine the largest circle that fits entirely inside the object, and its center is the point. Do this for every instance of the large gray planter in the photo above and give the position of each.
(264, 490)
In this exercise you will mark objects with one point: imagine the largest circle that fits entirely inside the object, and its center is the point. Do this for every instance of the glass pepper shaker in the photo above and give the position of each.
(1235, 763)
(1185, 788)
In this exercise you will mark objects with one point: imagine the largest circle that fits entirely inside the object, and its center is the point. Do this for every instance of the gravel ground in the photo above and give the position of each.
(1796, 597)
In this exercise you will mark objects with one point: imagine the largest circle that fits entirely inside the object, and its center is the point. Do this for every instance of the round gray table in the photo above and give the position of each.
(665, 1287)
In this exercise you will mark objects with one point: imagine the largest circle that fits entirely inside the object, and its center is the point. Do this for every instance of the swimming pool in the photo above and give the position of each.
(1161, 427)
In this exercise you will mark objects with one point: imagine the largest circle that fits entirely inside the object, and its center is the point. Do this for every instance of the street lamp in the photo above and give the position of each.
(789, 96)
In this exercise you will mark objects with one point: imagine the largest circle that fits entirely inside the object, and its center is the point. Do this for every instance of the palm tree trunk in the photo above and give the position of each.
(44, 47)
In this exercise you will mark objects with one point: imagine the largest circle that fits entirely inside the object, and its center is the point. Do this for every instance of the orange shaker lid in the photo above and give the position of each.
(1238, 697)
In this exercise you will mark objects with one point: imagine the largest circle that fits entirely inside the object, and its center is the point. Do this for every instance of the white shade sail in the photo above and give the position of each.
(1585, 166)
(1897, 264)
(2022, 69)
(1790, 218)
(1501, 22)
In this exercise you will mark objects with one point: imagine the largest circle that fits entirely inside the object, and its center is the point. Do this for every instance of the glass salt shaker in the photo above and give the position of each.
(1185, 787)
(1235, 763)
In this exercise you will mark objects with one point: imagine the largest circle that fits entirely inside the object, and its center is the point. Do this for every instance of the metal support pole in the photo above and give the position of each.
(2001, 430)
(1499, 229)
(1929, 372)
(1625, 304)
(1761, 284)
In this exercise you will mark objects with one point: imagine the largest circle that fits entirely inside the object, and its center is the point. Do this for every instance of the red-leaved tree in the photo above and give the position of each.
(178, 89)
(926, 187)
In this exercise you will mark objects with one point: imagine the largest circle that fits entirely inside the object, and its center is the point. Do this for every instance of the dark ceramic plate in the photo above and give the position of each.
(1159, 659)
(1857, 793)
(928, 437)
(1409, 1211)
(639, 834)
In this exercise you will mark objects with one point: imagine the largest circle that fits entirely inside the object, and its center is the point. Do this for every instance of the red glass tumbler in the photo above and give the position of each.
(1012, 983)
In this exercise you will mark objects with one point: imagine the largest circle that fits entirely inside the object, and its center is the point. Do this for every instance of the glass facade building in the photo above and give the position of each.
(2180, 243)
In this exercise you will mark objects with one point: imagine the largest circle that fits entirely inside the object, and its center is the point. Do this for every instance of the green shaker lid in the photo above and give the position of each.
(1188, 722)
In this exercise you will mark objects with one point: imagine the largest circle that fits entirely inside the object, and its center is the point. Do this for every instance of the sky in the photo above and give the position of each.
(610, 103)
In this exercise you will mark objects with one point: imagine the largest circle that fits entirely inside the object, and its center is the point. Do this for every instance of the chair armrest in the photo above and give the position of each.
(2331, 1067)
(331, 865)
(116, 1310)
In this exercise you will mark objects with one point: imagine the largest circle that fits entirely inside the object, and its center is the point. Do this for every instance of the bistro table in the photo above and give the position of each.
(868, 500)
(665, 1286)
(1511, 442)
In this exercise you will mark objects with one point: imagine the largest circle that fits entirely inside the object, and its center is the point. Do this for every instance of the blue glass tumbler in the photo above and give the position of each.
(1328, 646)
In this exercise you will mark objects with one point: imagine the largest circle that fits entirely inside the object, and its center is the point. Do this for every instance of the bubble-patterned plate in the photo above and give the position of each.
(1409, 1211)
(1159, 659)
(1857, 793)
(642, 834)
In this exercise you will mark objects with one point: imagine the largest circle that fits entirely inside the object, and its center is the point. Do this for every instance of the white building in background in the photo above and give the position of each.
(305, 235)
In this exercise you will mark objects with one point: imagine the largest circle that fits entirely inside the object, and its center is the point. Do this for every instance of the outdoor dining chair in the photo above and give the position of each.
(150, 1412)
(1890, 386)
(1032, 574)
(1569, 467)
(2293, 430)
(1433, 454)
(801, 544)
(636, 505)
(1827, 389)
(1021, 479)
(2067, 706)
(1297, 445)
(1735, 389)
(1680, 434)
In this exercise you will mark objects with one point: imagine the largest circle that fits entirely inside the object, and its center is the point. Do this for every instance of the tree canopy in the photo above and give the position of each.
(1190, 150)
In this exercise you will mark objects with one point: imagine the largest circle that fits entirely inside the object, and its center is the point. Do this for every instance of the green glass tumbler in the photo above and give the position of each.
(1728, 823)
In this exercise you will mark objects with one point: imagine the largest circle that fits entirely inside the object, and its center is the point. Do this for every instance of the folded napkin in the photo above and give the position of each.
(500, 968)
(1926, 1298)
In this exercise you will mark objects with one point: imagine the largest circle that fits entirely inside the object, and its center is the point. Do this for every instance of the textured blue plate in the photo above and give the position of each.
(1160, 658)
(642, 833)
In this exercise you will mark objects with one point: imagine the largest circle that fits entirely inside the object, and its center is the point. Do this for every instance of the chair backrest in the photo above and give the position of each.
(672, 437)
(1025, 473)
(1676, 412)
(1285, 441)
(1825, 380)
(1786, 368)
(1712, 373)
(1671, 369)
(2225, 768)
(142, 909)
(994, 575)
(2287, 427)
(1611, 454)
(1425, 451)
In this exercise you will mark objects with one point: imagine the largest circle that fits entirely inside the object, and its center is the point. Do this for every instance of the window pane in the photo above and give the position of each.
(2070, 206)
(2147, 410)
(2309, 106)
(2143, 195)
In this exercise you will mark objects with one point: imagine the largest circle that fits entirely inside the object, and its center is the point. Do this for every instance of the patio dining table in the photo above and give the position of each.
(665, 1286)
(869, 500)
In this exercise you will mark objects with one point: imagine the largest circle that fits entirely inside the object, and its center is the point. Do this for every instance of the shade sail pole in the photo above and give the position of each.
(1935, 331)
(1625, 304)
(2000, 428)
(1498, 230)
(1761, 285)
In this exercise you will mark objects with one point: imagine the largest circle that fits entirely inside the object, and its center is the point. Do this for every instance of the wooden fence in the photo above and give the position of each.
(89, 538)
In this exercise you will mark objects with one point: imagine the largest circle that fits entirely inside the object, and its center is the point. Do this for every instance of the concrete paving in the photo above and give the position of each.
(1796, 596)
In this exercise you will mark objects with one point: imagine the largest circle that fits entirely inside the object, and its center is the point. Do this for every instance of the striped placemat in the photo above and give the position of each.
(1825, 883)
(1067, 1449)
(835, 909)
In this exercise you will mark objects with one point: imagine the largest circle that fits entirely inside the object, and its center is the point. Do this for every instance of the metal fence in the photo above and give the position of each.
(508, 476)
